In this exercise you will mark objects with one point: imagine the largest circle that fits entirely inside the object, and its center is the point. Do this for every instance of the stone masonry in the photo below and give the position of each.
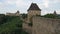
(41, 25)
(45, 25)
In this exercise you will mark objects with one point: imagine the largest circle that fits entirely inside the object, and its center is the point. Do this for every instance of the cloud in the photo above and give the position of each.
(23, 5)
(0, 4)
(47, 2)
(17, 3)
(44, 4)
(54, 1)
(20, 3)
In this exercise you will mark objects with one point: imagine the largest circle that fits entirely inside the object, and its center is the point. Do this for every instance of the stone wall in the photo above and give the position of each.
(43, 25)
(13, 14)
(26, 26)
(33, 13)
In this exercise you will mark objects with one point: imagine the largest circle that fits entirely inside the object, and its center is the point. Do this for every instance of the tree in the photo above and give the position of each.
(2, 19)
(24, 16)
(50, 16)
(12, 26)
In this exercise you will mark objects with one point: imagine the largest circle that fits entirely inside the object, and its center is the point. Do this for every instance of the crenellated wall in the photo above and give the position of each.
(43, 25)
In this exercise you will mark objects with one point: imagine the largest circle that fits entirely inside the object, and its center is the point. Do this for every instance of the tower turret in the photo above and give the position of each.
(17, 13)
(55, 13)
(33, 10)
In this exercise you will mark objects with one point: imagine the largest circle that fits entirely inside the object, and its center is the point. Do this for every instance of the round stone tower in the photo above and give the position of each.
(33, 11)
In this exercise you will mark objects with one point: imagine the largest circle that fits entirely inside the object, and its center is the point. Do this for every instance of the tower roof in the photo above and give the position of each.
(55, 12)
(34, 6)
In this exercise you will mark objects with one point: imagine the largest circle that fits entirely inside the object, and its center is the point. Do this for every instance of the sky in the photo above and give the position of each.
(47, 6)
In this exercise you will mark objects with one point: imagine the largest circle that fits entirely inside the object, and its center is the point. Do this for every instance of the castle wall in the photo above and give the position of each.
(13, 14)
(33, 13)
(26, 26)
(45, 25)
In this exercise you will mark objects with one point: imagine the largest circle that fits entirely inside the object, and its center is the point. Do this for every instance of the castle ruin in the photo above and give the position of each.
(13, 14)
(40, 25)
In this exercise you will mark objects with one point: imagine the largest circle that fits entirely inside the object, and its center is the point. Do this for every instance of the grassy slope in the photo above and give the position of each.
(10, 25)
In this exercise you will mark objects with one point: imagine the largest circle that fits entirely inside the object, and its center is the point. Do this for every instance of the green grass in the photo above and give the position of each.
(12, 24)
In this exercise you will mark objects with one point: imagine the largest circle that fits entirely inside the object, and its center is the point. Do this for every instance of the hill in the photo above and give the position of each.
(12, 25)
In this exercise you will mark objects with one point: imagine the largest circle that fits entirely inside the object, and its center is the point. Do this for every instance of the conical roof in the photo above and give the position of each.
(55, 12)
(34, 6)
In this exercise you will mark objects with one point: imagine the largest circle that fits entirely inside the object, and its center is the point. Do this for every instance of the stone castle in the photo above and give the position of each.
(14, 14)
(40, 25)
